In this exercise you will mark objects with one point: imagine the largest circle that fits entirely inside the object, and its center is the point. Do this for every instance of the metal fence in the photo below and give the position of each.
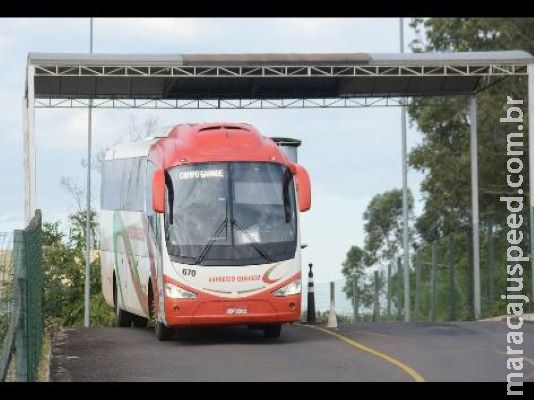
(441, 284)
(6, 282)
(344, 303)
(21, 300)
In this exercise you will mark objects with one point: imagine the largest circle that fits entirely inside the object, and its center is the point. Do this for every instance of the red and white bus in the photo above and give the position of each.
(200, 226)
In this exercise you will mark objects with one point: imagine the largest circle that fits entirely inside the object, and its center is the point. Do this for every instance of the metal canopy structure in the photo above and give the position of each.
(263, 80)
(267, 81)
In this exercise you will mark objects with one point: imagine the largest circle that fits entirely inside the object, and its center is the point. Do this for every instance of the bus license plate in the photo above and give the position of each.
(236, 310)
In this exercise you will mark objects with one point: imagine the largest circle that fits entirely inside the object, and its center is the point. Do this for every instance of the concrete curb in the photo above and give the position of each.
(527, 317)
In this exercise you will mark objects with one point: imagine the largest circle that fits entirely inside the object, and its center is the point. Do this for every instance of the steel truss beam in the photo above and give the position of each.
(281, 71)
(249, 104)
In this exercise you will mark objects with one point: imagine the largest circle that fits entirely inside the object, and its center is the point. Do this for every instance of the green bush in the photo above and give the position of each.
(64, 264)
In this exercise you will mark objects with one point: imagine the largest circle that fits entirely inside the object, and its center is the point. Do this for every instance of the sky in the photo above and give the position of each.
(350, 154)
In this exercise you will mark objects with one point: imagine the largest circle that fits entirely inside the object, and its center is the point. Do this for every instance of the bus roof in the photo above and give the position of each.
(215, 141)
(202, 142)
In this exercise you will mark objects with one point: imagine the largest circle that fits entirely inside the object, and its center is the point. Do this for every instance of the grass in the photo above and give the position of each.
(3, 327)
(43, 374)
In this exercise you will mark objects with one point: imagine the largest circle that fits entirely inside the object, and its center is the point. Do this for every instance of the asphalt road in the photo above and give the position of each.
(468, 351)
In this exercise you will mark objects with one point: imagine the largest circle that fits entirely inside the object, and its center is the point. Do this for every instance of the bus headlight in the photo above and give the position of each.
(175, 292)
(289, 289)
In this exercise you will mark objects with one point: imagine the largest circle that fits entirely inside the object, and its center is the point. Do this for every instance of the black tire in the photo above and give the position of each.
(139, 322)
(272, 331)
(123, 319)
(254, 327)
(163, 332)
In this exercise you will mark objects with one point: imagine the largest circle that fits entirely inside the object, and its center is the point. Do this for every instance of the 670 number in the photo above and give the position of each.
(189, 272)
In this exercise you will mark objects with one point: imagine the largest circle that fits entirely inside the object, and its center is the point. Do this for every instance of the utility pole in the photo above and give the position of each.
(405, 197)
(87, 294)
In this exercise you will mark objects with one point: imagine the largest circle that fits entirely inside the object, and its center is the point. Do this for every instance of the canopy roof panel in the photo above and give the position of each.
(269, 76)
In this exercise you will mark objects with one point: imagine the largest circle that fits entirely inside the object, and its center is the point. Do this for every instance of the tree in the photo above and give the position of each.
(384, 225)
(139, 131)
(444, 154)
(354, 270)
(64, 272)
(383, 232)
(355, 262)
(64, 252)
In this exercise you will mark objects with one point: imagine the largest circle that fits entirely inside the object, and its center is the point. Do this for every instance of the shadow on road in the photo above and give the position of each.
(202, 336)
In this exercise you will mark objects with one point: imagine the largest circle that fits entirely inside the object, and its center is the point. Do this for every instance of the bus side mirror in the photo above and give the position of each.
(158, 191)
(303, 188)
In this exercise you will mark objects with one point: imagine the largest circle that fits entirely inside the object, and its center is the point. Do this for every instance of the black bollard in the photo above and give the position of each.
(311, 297)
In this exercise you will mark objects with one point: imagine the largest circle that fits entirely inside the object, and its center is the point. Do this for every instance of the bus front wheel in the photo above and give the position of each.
(139, 322)
(163, 332)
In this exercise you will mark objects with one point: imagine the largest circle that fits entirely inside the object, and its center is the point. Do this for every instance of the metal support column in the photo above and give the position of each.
(405, 198)
(531, 172)
(87, 294)
(28, 140)
(474, 204)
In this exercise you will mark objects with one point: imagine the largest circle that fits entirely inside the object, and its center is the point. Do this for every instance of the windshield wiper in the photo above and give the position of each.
(212, 240)
(253, 242)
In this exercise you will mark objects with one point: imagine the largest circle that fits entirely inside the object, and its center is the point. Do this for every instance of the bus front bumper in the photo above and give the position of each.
(179, 312)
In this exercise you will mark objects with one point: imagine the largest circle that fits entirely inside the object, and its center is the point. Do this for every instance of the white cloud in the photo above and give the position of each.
(307, 26)
(8, 217)
(4, 44)
(66, 129)
(152, 29)
(10, 221)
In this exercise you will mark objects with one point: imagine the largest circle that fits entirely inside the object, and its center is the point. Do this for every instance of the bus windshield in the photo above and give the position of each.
(236, 213)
